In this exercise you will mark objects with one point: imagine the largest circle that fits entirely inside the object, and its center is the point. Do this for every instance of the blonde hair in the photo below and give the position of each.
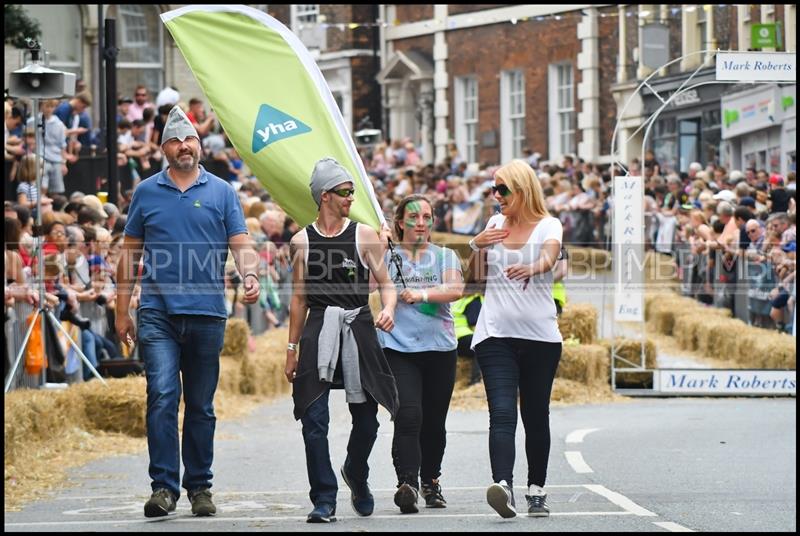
(520, 178)
(27, 168)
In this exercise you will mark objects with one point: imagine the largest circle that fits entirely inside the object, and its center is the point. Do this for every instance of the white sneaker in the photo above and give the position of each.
(500, 496)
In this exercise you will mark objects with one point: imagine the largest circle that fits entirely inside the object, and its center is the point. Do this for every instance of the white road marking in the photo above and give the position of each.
(289, 492)
(672, 527)
(575, 459)
(578, 435)
(188, 518)
(620, 500)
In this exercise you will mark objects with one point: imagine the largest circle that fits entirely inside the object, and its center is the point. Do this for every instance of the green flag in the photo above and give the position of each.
(273, 102)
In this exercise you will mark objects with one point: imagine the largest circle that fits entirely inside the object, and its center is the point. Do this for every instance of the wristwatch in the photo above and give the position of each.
(292, 346)
(472, 245)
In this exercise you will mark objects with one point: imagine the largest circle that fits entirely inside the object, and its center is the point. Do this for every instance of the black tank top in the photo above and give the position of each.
(334, 273)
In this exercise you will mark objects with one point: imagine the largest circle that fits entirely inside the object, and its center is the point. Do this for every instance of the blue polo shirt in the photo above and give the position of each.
(185, 238)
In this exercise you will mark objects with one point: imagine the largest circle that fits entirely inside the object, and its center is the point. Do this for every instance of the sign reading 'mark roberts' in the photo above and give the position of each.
(757, 66)
(727, 382)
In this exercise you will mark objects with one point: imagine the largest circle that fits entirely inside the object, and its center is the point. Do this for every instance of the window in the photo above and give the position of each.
(689, 142)
(305, 14)
(512, 114)
(61, 35)
(702, 27)
(561, 102)
(665, 144)
(467, 118)
(141, 57)
(134, 26)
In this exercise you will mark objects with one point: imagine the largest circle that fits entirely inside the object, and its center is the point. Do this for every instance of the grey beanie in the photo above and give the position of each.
(327, 174)
(178, 126)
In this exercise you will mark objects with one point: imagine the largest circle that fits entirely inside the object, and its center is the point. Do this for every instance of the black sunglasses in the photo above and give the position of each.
(502, 189)
(344, 192)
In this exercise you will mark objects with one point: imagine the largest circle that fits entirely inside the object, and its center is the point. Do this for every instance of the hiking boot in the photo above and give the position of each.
(537, 504)
(500, 496)
(201, 502)
(432, 493)
(323, 513)
(160, 503)
(406, 498)
(360, 495)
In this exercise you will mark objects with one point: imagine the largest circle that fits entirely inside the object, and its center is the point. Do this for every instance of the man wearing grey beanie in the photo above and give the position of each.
(332, 260)
(184, 220)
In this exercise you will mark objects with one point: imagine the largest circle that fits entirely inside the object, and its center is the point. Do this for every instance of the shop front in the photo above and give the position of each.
(758, 128)
(689, 128)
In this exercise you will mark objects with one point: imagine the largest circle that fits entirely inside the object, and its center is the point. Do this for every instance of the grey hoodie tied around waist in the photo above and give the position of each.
(337, 321)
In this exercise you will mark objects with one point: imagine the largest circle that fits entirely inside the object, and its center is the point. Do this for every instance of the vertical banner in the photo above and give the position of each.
(273, 102)
(628, 242)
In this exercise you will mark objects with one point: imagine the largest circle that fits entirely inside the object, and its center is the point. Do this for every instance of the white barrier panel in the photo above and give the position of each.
(628, 249)
(757, 66)
(726, 382)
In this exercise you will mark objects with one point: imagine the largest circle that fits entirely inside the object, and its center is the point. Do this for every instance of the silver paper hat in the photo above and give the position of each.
(178, 126)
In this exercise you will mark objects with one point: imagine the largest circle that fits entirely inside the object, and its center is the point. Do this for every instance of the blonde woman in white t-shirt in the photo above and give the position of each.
(516, 340)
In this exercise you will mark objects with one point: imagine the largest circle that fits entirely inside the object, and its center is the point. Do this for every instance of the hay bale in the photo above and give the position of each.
(237, 333)
(585, 363)
(579, 321)
(262, 373)
(36, 415)
(583, 260)
(121, 407)
(230, 375)
(456, 242)
(631, 350)
(777, 350)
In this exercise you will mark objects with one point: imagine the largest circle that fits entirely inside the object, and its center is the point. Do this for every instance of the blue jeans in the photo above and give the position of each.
(92, 344)
(171, 347)
(508, 365)
(318, 459)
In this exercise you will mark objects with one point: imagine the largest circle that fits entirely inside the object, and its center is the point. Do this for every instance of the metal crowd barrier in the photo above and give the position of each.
(744, 288)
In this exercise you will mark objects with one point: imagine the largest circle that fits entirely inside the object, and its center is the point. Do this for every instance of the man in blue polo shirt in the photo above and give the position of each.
(181, 223)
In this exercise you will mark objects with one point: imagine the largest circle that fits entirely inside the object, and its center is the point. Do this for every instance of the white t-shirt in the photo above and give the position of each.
(513, 308)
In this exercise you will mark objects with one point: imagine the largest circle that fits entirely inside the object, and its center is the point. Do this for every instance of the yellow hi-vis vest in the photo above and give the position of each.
(560, 293)
(459, 318)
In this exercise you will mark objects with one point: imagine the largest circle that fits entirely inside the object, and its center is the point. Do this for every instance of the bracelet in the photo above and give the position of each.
(472, 245)
(424, 296)
(251, 273)
(292, 346)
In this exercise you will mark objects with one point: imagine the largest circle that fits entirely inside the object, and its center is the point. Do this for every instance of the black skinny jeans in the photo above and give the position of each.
(424, 384)
(508, 364)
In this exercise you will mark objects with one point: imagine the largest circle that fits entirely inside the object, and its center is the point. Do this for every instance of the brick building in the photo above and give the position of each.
(346, 53)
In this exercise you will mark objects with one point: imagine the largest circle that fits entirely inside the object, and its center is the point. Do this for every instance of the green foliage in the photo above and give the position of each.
(18, 26)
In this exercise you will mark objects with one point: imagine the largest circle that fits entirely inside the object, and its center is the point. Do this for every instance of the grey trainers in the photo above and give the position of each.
(537, 502)
(500, 496)
(160, 503)
(201, 502)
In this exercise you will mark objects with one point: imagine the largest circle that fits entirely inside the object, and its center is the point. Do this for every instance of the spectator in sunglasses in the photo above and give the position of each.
(517, 339)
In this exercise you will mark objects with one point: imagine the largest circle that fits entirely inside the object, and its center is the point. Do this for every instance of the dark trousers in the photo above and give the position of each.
(509, 365)
(424, 384)
(318, 459)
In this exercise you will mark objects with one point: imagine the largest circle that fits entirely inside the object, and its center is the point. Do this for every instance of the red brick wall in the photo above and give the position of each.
(413, 12)
(485, 51)
(456, 9)
(366, 90)
(608, 41)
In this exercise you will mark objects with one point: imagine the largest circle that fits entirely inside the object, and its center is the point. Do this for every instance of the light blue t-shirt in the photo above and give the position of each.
(414, 330)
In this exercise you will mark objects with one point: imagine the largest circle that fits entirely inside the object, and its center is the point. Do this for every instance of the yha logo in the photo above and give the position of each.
(273, 125)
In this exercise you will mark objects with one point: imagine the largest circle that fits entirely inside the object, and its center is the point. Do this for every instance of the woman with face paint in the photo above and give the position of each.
(517, 340)
(421, 351)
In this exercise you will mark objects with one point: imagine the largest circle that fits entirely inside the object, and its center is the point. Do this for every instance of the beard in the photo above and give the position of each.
(181, 164)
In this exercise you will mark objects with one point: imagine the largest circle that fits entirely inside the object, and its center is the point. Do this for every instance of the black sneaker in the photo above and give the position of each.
(500, 496)
(323, 513)
(360, 495)
(432, 493)
(160, 503)
(537, 505)
(406, 498)
(201, 502)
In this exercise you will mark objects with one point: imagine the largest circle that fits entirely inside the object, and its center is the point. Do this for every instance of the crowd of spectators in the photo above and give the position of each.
(720, 214)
